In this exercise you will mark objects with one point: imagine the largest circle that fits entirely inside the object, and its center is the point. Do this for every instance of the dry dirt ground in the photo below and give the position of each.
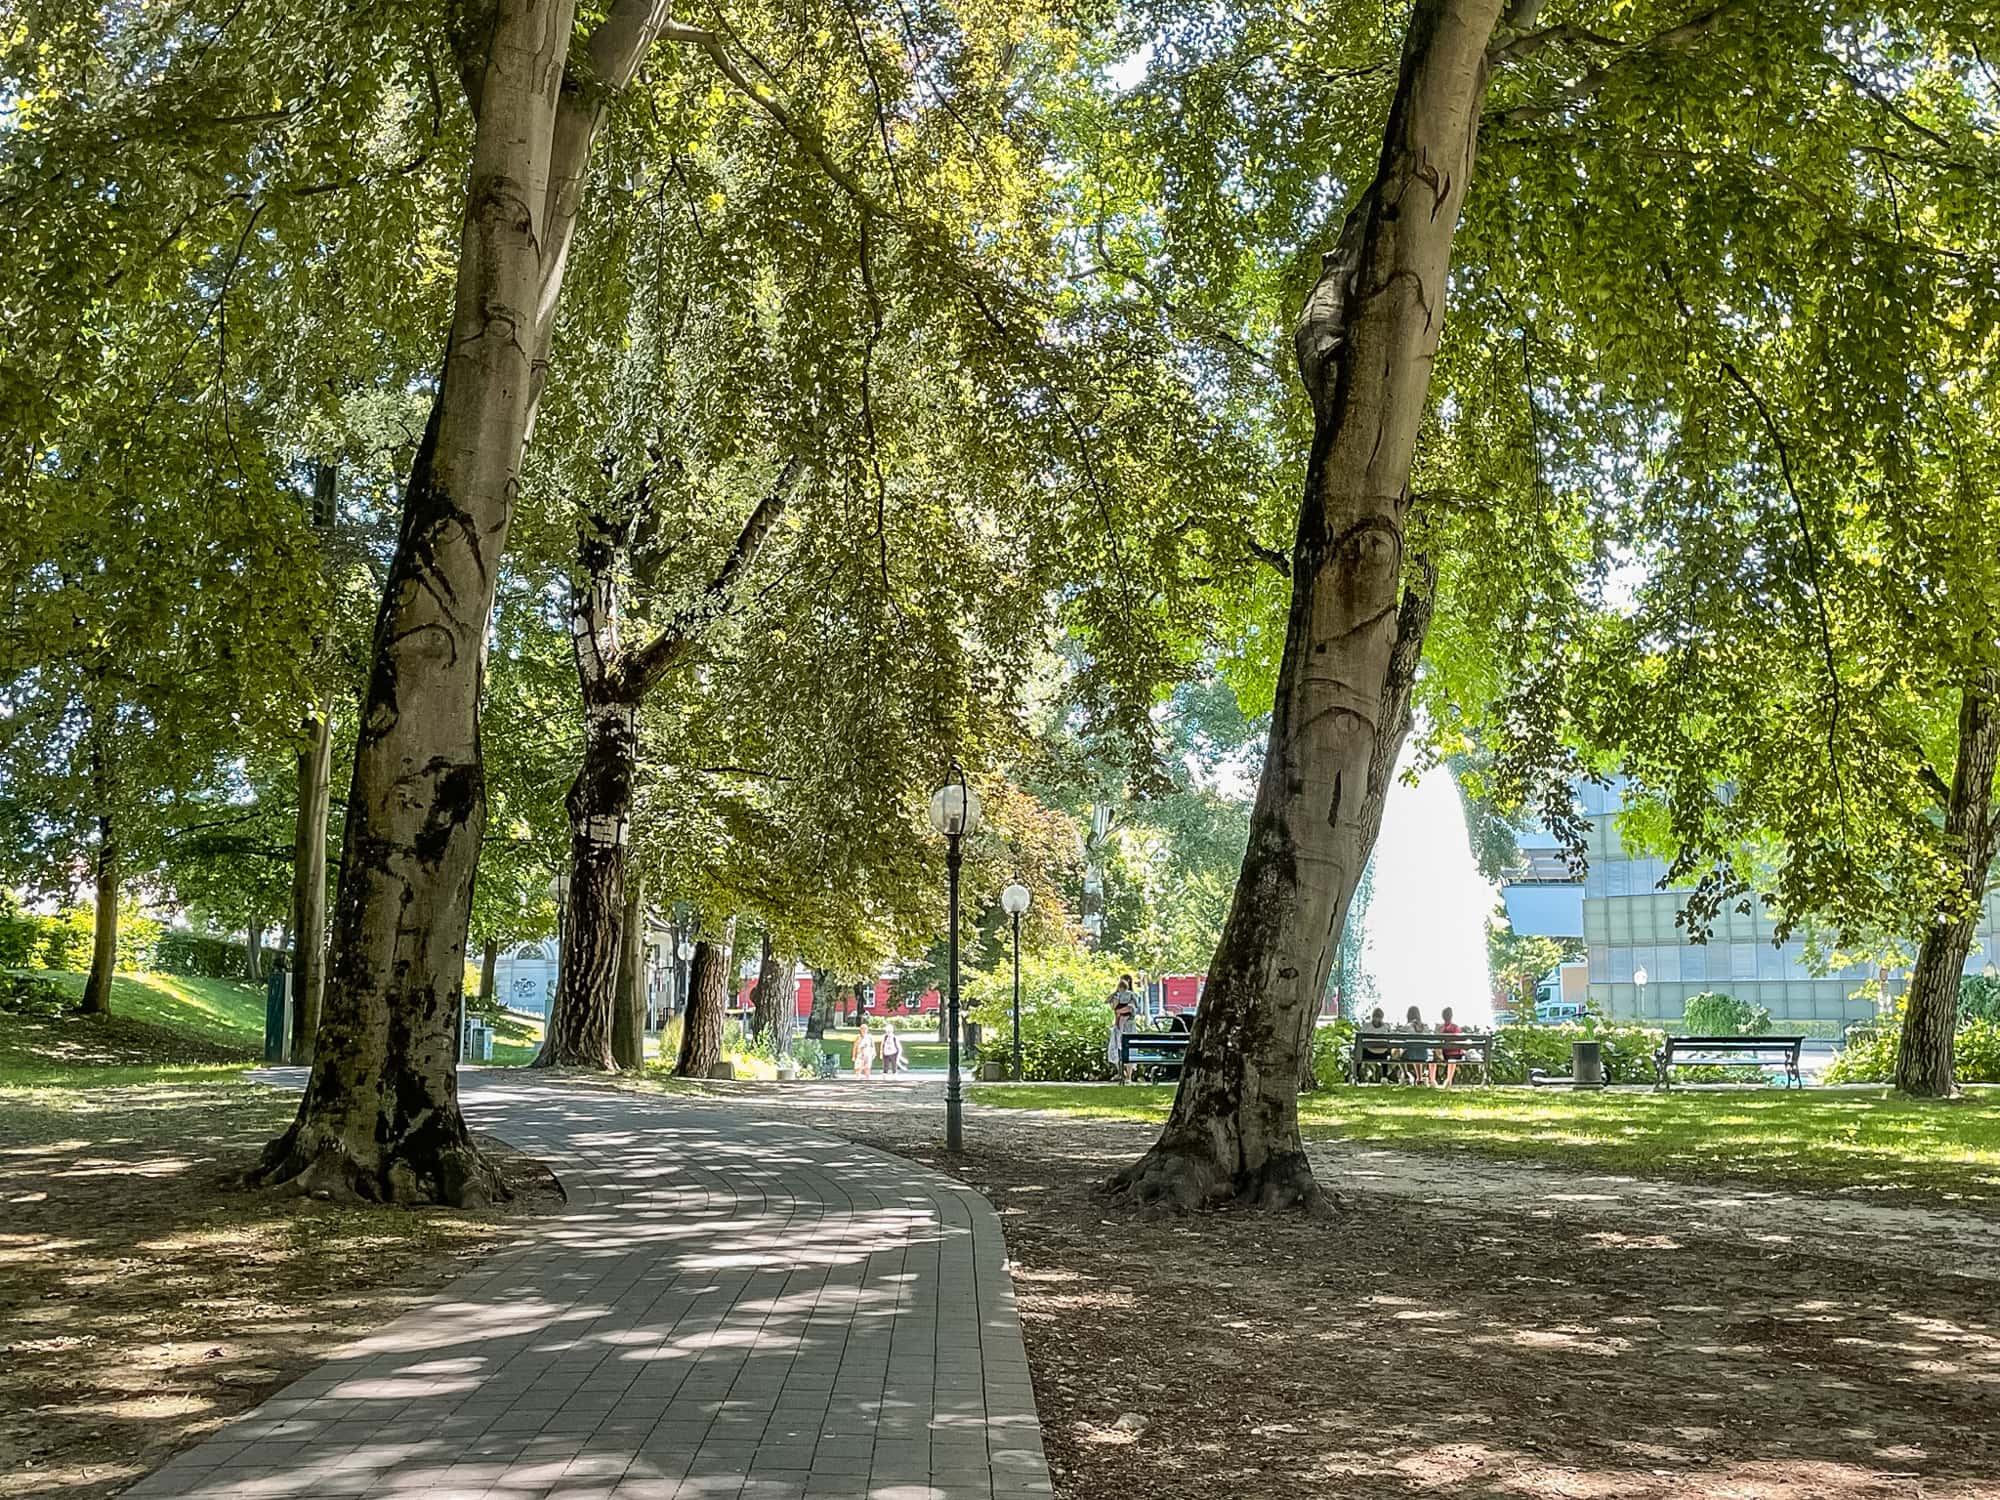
(1466, 1328)
(144, 1299)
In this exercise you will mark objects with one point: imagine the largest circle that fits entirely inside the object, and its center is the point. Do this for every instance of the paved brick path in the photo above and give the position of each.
(728, 1308)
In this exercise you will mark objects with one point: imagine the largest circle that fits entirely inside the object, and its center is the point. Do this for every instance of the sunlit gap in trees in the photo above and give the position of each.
(1426, 925)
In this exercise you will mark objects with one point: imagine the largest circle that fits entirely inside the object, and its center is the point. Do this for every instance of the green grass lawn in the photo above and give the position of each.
(227, 1012)
(163, 1028)
(516, 1039)
(921, 1048)
(1867, 1140)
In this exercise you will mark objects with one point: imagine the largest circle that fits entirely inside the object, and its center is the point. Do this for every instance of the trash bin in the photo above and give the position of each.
(1586, 1064)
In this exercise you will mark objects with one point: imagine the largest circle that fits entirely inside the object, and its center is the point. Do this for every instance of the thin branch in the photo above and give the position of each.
(1812, 573)
(649, 663)
(1591, 82)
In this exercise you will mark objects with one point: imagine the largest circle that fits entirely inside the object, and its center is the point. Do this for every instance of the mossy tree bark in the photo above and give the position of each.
(708, 998)
(1925, 1065)
(380, 1117)
(1365, 339)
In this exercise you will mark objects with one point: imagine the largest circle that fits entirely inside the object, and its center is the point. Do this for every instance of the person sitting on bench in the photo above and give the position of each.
(1376, 1057)
(1416, 1057)
(1452, 1055)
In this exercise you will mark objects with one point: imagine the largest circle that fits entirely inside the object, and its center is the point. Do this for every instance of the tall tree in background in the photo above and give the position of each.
(1787, 435)
(708, 997)
(616, 678)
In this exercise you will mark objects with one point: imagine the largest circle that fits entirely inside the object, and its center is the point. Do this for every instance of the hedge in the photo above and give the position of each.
(204, 957)
(1870, 1054)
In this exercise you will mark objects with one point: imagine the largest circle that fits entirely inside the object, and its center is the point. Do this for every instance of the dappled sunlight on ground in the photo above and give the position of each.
(144, 1299)
(1472, 1328)
(722, 1300)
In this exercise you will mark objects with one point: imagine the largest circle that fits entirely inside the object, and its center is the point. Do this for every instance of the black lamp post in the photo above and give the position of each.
(954, 813)
(1014, 901)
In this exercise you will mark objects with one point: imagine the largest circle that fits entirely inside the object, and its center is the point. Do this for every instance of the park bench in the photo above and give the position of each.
(1470, 1045)
(1163, 1052)
(1728, 1052)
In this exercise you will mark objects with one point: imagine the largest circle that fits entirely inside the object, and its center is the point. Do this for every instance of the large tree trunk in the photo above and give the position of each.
(614, 682)
(822, 1006)
(1365, 339)
(104, 925)
(628, 1017)
(600, 800)
(1924, 1061)
(764, 994)
(775, 1000)
(380, 1117)
(708, 997)
(309, 879)
(253, 948)
(1413, 623)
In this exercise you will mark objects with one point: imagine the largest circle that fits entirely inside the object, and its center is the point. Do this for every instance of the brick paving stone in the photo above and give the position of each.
(728, 1309)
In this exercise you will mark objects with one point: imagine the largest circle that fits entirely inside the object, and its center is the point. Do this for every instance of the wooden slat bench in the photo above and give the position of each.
(1728, 1052)
(1471, 1045)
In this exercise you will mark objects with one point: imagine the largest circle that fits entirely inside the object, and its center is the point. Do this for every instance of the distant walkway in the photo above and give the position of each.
(727, 1310)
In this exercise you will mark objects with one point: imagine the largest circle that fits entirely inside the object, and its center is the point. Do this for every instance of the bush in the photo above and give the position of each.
(66, 939)
(1330, 1046)
(20, 934)
(1979, 999)
(26, 995)
(814, 1060)
(1870, 1054)
(181, 952)
(1713, 1014)
(1628, 1050)
(1065, 1023)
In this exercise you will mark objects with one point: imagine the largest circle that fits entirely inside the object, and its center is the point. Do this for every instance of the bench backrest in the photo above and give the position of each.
(1735, 1043)
(1156, 1042)
(1477, 1039)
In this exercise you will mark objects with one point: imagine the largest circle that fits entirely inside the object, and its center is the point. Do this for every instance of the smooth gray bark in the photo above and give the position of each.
(1365, 339)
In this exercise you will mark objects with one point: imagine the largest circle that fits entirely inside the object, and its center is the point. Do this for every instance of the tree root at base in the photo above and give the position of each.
(1176, 1180)
(318, 1164)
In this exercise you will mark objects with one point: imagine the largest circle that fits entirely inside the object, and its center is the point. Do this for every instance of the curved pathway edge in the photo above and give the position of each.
(727, 1309)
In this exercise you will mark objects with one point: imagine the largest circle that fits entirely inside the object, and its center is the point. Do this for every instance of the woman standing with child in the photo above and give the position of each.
(1124, 1021)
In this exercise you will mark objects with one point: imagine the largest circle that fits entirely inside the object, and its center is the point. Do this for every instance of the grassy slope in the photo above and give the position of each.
(227, 1012)
(1846, 1139)
(162, 1028)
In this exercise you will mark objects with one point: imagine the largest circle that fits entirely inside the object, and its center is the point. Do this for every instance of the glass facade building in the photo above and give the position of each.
(1629, 925)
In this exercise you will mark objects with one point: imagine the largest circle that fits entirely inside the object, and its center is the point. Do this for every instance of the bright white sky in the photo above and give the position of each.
(1426, 927)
